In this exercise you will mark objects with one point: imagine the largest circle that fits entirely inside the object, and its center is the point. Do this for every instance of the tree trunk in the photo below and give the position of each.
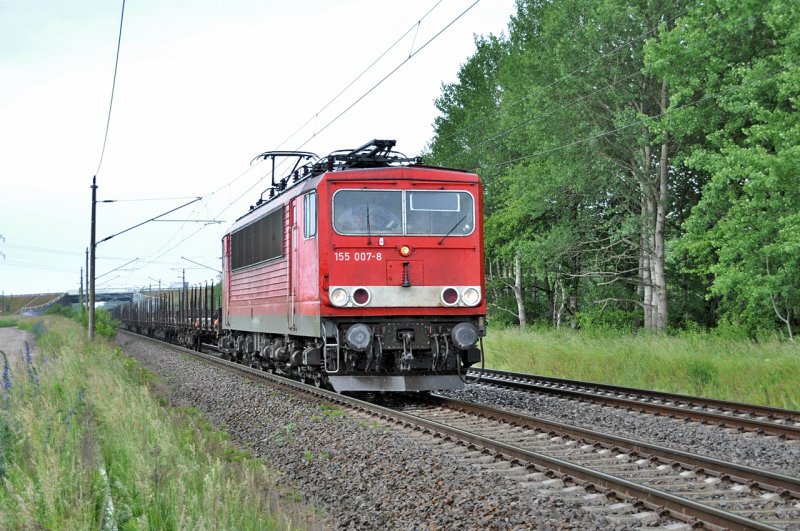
(562, 288)
(659, 240)
(645, 250)
(519, 293)
(551, 297)
(574, 293)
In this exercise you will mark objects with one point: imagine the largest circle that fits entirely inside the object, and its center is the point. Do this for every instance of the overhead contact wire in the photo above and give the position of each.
(113, 88)
(387, 76)
(359, 76)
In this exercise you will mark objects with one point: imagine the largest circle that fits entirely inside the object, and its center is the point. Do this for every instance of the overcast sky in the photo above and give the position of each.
(203, 86)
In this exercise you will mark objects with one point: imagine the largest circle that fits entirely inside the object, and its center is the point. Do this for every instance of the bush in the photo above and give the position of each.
(103, 323)
(595, 318)
(64, 311)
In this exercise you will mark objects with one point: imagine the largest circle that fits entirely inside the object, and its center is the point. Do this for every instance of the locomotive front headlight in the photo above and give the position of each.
(405, 250)
(339, 296)
(471, 297)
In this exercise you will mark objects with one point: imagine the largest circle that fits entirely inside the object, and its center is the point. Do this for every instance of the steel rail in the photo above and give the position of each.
(664, 502)
(596, 393)
(766, 480)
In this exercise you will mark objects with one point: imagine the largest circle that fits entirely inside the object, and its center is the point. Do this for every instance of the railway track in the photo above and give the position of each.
(705, 490)
(634, 482)
(744, 417)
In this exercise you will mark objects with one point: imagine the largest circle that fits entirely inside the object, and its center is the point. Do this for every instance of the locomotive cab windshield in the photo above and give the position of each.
(404, 212)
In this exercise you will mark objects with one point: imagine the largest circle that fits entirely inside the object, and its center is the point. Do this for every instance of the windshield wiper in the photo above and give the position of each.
(369, 228)
(459, 222)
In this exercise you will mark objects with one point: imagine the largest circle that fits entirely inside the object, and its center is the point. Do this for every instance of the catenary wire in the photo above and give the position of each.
(411, 55)
(359, 76)
(113, 88)
(387, 76)
(248, 190)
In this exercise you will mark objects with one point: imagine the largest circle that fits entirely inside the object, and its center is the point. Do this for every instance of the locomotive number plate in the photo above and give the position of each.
(357, 256)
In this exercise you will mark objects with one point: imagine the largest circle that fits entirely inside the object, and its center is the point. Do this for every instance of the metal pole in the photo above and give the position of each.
(87, 277)
(92, 246)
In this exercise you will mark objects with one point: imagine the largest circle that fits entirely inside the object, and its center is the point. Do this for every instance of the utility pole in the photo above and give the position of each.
(87, 276)
(156, 280)
(80, 292)
(92, 246)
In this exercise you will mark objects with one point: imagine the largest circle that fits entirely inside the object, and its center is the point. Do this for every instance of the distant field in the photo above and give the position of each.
(766, 372)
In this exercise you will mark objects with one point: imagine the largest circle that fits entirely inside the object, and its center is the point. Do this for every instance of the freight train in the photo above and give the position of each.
(361, 271)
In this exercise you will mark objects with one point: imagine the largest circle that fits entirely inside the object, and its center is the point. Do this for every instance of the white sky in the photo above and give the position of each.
(203, 87)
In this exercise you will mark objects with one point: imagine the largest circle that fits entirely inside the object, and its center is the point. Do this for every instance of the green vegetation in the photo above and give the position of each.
(639, 161)
(7, 322)
(104, 325)
(730, 368)
(85, 445)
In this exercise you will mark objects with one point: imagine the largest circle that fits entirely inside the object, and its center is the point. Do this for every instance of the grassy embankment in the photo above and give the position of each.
(765, 372)
(84, 444)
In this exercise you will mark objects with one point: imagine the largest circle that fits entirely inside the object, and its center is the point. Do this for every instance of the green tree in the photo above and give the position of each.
(587, 200)
(733, 70)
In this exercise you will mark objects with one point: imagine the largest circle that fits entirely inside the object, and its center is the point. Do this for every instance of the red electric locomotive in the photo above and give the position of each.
(364, 270)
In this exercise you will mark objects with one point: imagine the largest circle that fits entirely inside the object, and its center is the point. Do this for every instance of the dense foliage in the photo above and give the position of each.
(639, 161)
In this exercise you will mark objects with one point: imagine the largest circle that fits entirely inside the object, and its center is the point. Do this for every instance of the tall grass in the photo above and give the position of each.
(88, 446)
(765, 372)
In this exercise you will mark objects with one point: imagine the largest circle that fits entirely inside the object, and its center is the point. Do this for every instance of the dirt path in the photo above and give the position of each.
(12, 342)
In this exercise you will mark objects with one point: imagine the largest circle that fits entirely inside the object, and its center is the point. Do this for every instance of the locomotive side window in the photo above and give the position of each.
(368, 212)
(258, 242)
(439, 213)
(310, 215)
